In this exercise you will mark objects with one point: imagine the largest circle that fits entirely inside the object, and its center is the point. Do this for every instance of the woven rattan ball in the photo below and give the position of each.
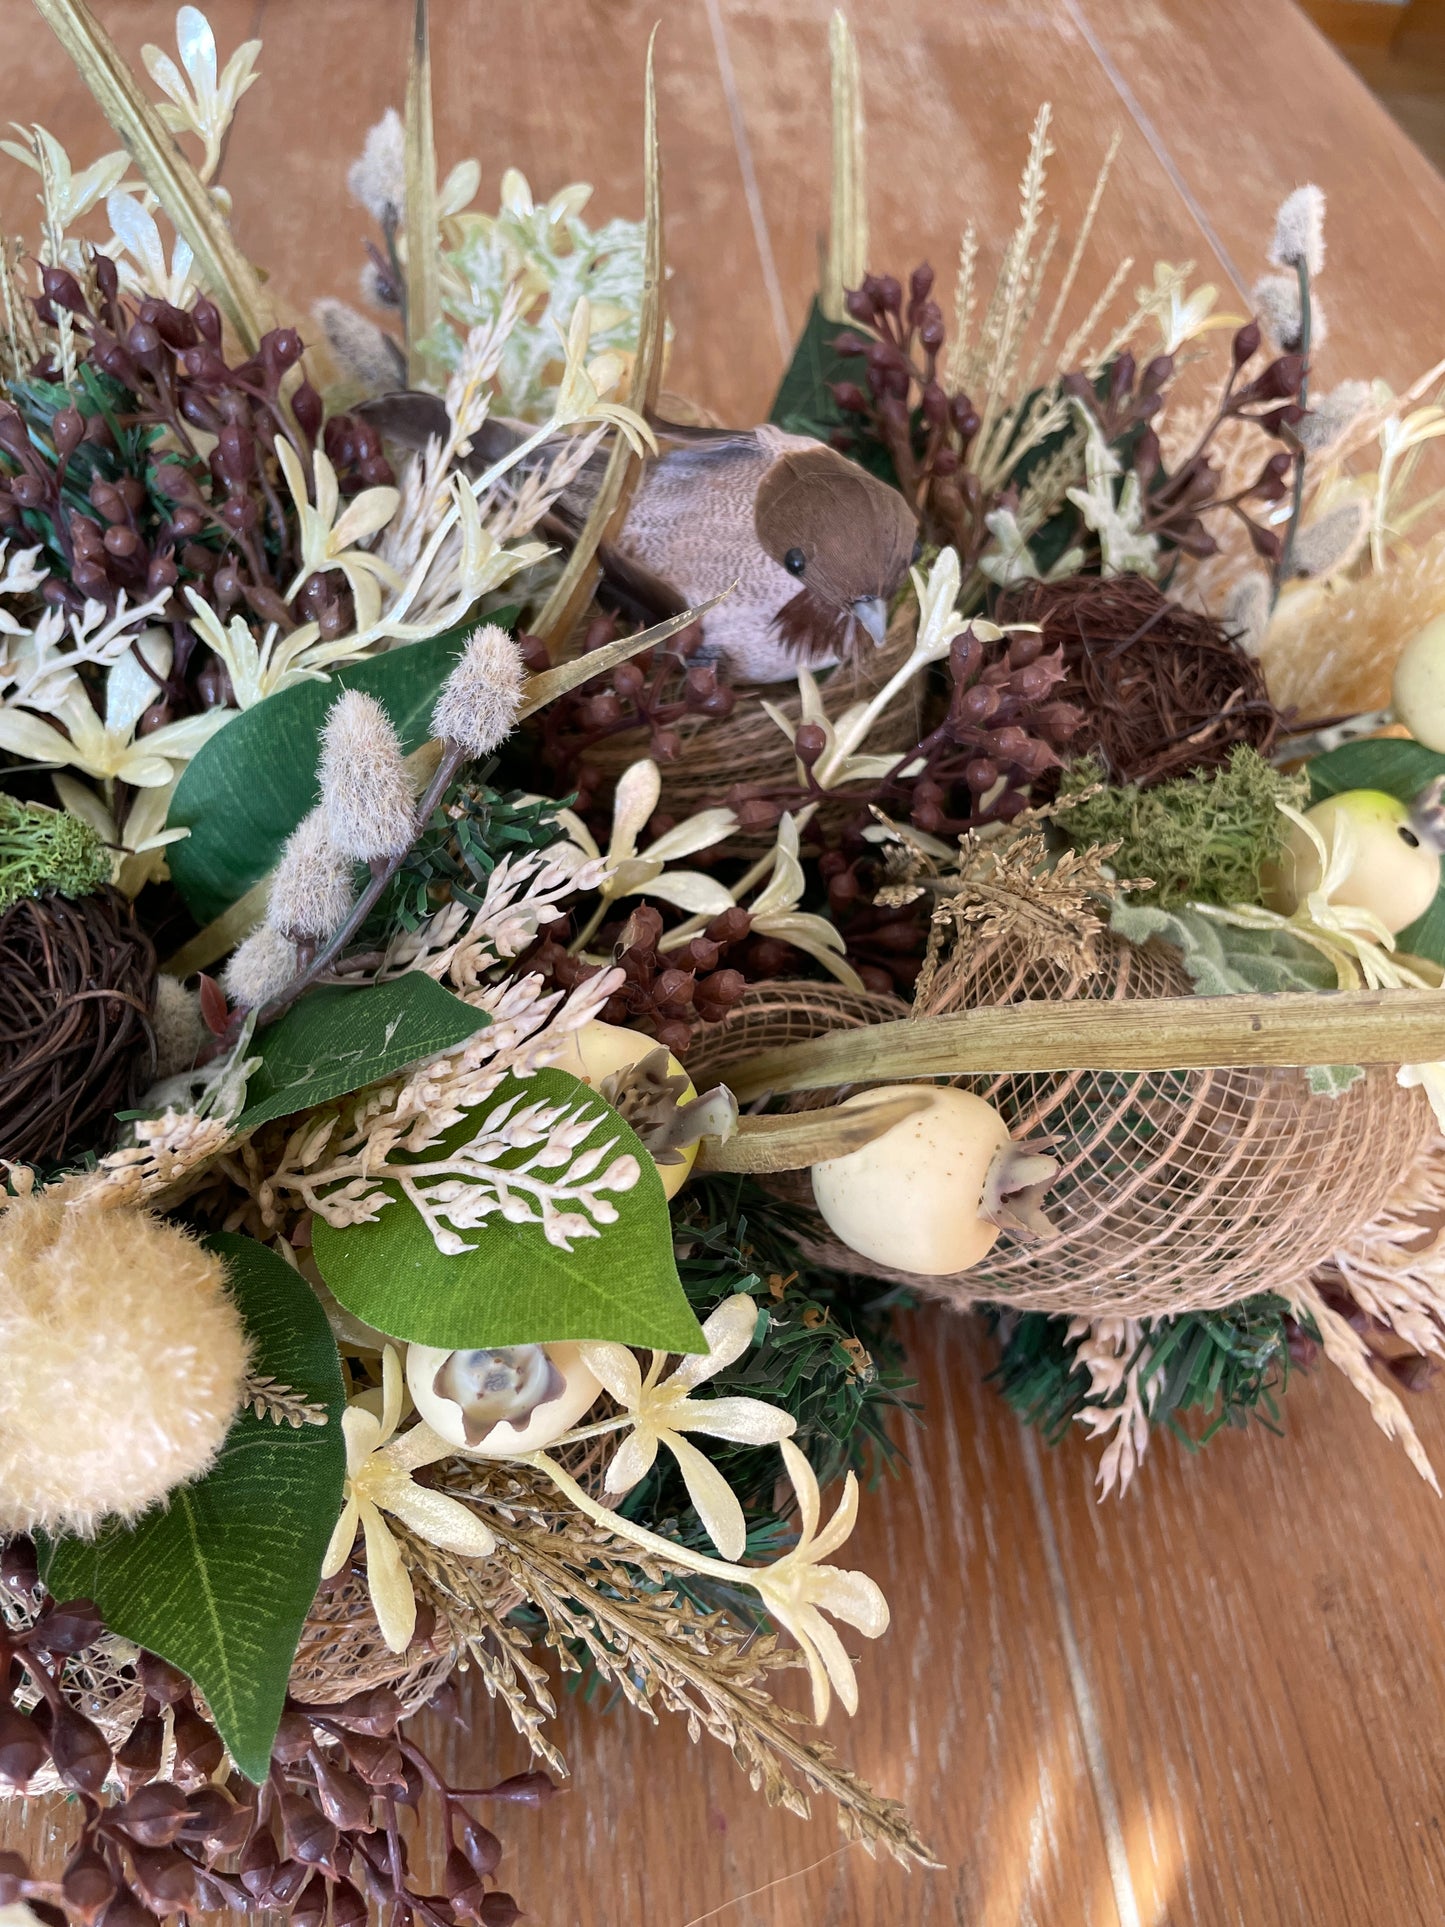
(1175, 1188)
(77, 988)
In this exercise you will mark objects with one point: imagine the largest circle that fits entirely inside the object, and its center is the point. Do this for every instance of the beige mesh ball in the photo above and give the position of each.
(1175, 1189)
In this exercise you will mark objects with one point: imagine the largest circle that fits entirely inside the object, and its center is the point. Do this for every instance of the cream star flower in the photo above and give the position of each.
(631, 873)
(331, 541)
(798, 1589)
(378, 1480)
(662, 1410)
(775, 911)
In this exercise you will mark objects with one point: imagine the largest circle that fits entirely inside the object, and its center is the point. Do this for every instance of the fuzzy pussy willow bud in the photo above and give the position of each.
(366, 795)
(312, 891)
(478, 706)
(260, 968)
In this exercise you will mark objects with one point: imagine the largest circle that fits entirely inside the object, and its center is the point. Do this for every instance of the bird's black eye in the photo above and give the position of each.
(795, 562)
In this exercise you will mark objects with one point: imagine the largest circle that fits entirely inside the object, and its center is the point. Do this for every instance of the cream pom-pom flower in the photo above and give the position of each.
(124, 1360)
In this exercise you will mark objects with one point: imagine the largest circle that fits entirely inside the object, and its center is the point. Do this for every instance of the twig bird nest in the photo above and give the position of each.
(77, 990)
(1166, 689)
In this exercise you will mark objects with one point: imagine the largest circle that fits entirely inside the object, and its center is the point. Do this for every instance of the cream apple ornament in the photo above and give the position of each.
(1418, 693)
(931, 1193)
(649, 1086)
(1388, 851)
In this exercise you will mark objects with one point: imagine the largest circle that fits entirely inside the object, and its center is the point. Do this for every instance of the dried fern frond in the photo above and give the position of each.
(268, 1398)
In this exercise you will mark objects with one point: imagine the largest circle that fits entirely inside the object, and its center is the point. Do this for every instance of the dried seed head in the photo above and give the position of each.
(368, 355)
(124, 1359)
(1299, 231)
(180, 1028)
(365, 792)
(377, 178)
(478, 706)
(263, 965)
(1276, 301)
(312, 890)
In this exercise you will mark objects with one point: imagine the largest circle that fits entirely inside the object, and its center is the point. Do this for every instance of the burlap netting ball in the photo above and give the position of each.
(1175, 1189)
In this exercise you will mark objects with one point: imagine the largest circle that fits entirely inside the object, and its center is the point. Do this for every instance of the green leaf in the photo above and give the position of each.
(1400, 767)
(513, 1285)
(1222, 958)
(804, 403)
(335, 1040)
(220, 1578)
(244, 793)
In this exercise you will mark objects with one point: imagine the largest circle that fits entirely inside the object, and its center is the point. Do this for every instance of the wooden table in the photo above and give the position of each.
(1223, 1699)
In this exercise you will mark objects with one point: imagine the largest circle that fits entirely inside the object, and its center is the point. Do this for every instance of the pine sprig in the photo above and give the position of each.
(467, 835)
(1200, 1372)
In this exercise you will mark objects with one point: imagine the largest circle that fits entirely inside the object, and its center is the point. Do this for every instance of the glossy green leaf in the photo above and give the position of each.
(335, 1040)
(220, 1578)
(1400, 767)
(514, 1285)
(244, 793)
(804, 403)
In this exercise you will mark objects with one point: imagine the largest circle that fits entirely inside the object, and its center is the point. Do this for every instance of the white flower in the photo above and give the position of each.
(104, 752)
(332, 541)
(775, 913)
(1181, 317)
(378, 1480)
(143, 267)
(1125, 547)
(584, 383)
(70, 194)
(634, 874)
(258, 669)
(206, 105)
(798, 1589)
(662, 1410)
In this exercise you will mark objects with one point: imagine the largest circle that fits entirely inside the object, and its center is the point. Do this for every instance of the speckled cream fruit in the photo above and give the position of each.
(1394, 875)
(544, 1424)
(1418, 694)
(598, 1049)
(911, 1198)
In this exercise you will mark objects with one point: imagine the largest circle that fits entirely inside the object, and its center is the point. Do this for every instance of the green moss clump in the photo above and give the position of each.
(43, 849)
(1202, 838)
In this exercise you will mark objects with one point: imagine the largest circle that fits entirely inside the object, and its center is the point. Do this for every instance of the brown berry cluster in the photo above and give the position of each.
(109, 477)
(652, 691)
(899, 408)
(318, 1842)
(667, 993)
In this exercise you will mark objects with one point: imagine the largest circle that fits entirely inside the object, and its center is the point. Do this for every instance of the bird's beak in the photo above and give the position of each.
(871, 612)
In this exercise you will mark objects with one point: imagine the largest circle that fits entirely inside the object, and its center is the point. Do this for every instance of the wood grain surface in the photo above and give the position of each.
(1221, 1700)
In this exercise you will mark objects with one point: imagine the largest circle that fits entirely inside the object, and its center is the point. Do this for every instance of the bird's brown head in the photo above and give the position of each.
(846, 536)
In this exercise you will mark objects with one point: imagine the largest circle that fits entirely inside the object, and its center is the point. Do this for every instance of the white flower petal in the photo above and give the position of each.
(745, 1421)
(698, 832)
(690, 890)
(387, 1582)
(638, 789)
(631, 1461)
(617, 1369)
(729, 1331)
(714, 1500)
(443, 1520)
(343, 1538)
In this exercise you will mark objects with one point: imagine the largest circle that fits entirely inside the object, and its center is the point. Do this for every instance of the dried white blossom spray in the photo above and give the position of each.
(313, 890)
(481, 698)
(366, 795)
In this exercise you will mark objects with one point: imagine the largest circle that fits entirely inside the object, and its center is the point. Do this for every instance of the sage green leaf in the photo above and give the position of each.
(218, 1579)
(1224, 959)
(245, 791)
(1400, 767)
(335, 1041)
(512, 1284)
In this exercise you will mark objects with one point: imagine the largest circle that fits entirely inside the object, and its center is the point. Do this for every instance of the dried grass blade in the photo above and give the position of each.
(574, 587)
(846, 261)
(423, 280)
(1166, 1033)
(220, 264)
(552, 683)
(805, 1138)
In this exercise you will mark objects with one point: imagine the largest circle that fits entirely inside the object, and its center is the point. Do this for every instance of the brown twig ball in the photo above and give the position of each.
(77, 989)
